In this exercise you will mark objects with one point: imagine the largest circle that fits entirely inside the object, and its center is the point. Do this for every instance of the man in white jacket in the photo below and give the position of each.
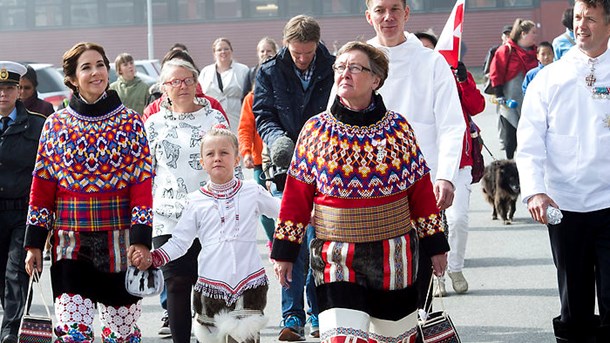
(420, 86)
(563, 161)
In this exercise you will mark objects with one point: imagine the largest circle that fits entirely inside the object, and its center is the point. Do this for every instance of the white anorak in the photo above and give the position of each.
(229, 262)
(563, 136)
(421, 87)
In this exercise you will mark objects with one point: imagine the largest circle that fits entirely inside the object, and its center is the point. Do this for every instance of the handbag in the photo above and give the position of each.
(436, 327)
(478, 163)
(36, 329)
(143, 283)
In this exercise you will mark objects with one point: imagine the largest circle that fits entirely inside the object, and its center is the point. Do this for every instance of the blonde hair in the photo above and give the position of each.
(220, 131)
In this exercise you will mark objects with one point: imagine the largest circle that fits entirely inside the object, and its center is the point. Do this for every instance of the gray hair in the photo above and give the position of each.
(172, 64)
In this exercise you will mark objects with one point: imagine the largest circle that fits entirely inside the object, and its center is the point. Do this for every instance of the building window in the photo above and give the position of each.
(296, 7)
(264, 8)
(120, 12)
(13, 14)
(416, 5)
(440, 5)
(481, 3)
(84, 13)
(160, 11)
(518, 3)
(227, 9)
(332, 7)
(48, 13)
(191, 10)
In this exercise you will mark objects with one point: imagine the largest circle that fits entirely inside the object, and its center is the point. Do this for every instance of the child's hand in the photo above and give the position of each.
(139, 256)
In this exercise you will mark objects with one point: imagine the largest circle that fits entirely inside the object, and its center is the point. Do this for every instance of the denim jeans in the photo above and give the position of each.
(293, 302)
(292, 298)
(267, 223)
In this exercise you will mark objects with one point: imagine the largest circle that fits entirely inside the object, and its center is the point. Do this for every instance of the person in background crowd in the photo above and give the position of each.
(179, 46)
(290, 88)
(508, 68)
(28, 94)
(563, 159)
(175, 133)
(492, 51)
(19, 133)
(565, 41)
(265, 49)
(224, 80)
(250, 142)
(130, 88)
(473, 103)
(94, 193)
(421, 87)
(365, 289)
(159, 97)
(545, 57)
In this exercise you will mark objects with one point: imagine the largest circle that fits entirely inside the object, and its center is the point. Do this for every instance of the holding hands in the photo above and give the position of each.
(139, 256)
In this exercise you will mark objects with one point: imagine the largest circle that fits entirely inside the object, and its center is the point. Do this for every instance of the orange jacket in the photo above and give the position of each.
(250, 141)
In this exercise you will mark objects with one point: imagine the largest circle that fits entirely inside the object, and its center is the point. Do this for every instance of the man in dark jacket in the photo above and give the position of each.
(19, 134)
(290, 88)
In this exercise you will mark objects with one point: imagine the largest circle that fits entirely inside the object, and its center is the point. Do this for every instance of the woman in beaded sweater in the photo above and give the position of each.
(175, 134)
(358, 167)
(92, 189)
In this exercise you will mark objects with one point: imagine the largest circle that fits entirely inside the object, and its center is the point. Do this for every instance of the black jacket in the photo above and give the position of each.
(18, 149)
(281, 106)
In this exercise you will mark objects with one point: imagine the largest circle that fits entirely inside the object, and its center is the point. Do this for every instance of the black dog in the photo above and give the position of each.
(501, 188)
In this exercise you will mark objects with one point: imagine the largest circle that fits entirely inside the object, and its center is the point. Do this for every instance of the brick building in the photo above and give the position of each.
(41, 30)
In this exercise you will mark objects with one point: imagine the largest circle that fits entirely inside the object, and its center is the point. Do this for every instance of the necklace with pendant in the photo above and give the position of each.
(590, 78)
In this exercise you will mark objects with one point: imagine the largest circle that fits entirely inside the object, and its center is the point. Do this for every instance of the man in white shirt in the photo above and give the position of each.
(420, 86)
(563, 160)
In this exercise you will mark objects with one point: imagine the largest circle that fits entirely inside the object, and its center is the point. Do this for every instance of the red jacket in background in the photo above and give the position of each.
(473, 103)
(510, 60)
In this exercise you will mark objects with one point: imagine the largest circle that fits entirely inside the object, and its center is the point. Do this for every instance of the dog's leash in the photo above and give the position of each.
(488, 151)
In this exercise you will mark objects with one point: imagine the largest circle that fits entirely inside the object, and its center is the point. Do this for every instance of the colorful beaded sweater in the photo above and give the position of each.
(346, 163)
(93, 172)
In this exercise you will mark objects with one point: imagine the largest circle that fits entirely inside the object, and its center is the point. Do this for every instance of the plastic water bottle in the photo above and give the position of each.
(508, 103)
(553, 215)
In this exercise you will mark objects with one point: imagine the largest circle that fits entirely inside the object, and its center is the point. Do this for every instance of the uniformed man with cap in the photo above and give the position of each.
(19, 134)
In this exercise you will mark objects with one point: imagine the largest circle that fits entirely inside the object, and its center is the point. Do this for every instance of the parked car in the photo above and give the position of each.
(51, 85)
(149, 67)
(149, 80)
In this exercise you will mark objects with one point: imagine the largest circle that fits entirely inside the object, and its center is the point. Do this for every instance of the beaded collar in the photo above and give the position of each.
(222, 191)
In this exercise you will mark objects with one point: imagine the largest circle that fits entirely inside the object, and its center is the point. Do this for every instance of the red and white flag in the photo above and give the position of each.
(449, 41)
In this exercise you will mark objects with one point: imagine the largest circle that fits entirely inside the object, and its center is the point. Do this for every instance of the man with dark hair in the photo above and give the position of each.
(290, 88)
(19, 134)
(565, 41)
(562, 157)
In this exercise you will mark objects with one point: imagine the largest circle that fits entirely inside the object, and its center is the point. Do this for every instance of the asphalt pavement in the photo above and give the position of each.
(512, 296)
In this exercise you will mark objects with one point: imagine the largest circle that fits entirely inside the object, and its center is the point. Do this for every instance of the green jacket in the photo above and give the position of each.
(133, 93)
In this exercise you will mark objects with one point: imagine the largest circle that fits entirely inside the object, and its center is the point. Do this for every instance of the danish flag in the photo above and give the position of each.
(449, 41)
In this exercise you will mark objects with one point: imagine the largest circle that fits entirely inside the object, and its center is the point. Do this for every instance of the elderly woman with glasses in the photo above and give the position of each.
(174, 136)
(357, 166)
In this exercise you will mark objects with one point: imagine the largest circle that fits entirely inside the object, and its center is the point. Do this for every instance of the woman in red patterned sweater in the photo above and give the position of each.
(359, 169)
(92, 189)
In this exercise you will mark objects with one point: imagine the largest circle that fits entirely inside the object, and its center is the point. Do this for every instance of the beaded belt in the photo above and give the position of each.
(359, 225)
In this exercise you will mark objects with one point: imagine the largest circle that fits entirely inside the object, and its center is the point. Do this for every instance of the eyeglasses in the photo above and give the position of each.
(353, 68)
(189, 81)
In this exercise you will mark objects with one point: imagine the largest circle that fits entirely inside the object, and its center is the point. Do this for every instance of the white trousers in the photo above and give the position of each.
(457, 219)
